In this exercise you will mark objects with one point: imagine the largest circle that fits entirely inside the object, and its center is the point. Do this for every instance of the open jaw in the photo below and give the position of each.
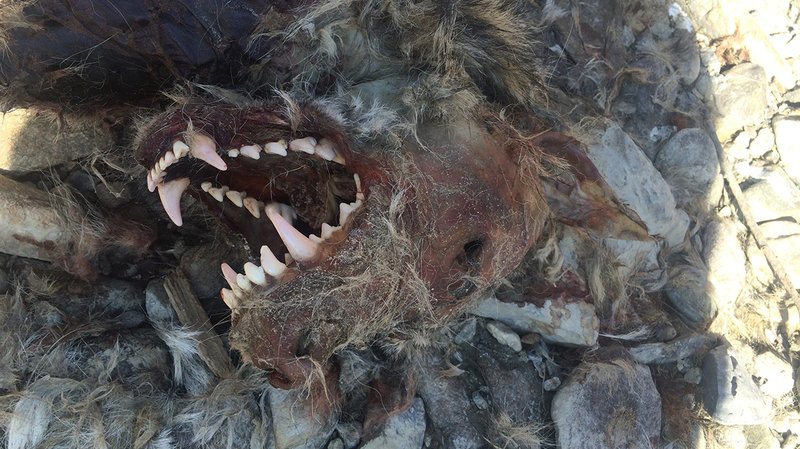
(293, 198)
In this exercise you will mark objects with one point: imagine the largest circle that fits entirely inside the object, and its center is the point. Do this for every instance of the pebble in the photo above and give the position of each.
(503, 334)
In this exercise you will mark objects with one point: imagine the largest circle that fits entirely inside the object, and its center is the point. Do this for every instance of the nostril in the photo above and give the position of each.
(472, 252)
(304, 344)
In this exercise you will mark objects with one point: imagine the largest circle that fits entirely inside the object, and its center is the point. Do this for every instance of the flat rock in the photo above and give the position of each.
(787, 139)
(638, 185)
(504, 335)
(740, 99)
(671, 352)
(691, 295)
(601, 403)
(776, 375)
(773, 196)
(33, 141)
(30, 226)
(573, 324)
(725, 259)
(729, 394)
(689, 164)
(403, 431)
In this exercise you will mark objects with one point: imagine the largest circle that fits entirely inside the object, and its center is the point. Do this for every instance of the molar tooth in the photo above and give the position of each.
(233, 153)
(253, 206)
(170, 194)
(204, 148)
(278, 148)
(324, 149)
(314, 238)
(235, 197)
(218, 193)
(243, 282)
(300, 247)
(180, 149)
(229, 298)
(206, 186)
(270, 263)
(306, 145)
(251, 151)
(344, 212)
(328, 230)
(255, 273)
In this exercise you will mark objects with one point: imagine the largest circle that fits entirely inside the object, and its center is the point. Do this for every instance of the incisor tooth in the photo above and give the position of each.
(255, 273)
(306, 145)
(251, 151)
(233, 153)
(235, 197)
(180, 149)
(253, 206)
(270, 263)
(230, 275)
(243, 282)
(300, 247)
(169, 158)
(204, 148)
(170, 194)
(278, 148)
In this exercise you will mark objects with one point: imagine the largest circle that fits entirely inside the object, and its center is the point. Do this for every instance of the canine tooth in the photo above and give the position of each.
(206, 186)
(204, 148)
(270, 263)
(344, 212)
(235, 197)
(251, 151)
(278, 148)
(230, 275)
(151, 183)
(306, 145)
(218, 193)
(243, 282)
(255, 273)
(229, 298)
(233, 153)
(180, 149)
(300, 247)
(170, 194)
(324, 149)
(328, 230)
(253, 206)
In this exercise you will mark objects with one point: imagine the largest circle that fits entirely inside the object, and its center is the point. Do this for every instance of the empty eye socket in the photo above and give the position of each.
(470, 263)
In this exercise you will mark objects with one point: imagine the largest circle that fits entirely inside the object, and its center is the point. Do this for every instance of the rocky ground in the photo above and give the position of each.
(687, 337)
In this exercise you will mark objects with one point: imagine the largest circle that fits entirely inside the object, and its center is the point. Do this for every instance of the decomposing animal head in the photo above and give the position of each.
(350, 239)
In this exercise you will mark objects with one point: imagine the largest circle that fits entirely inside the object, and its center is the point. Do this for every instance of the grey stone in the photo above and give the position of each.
(793, 96)
(725, 259)
(551, 384)
(201, 266)
(691, 295)
(689, 164)
(479, 401)
(113, 194)
(504, 335)
(34, 141)
(773, 196)
(336, 443)
(729, 394)
(31, 227)
(762, 144)
(761, 437)
(403, 431)
(297, 423)
(740, 99)
(157, 303)
(638, 185)
(777, 377)
(572, 324)
(601, 404)
(670, 352)
(787, 140)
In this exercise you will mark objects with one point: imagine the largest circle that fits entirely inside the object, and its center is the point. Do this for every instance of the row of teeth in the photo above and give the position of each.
(203, 147)
(300, 247)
